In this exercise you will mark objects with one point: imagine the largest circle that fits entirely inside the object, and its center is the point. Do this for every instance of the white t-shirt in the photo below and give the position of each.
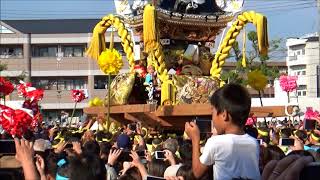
(232, 156)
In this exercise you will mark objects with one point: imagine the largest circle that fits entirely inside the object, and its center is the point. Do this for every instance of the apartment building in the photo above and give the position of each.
(303, 60)
(53, 51)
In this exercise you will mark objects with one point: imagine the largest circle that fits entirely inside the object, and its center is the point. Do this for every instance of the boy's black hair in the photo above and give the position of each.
(253, 132)
(91, 147)
(286, 132)
(235, 100)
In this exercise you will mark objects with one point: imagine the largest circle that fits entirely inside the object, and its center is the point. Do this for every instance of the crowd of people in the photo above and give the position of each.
(232, 150)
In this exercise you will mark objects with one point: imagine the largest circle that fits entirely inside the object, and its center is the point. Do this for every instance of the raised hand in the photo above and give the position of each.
(40, 165)
(192, 131)
(169, 157)
(24, 151)
(76, 146)
(113, 156)
(24, 154)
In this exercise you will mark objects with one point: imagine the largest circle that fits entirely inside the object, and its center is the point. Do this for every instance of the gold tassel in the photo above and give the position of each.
(111, 40)
(97, 44)
(149, 27)
(262, 33)
(244, 40)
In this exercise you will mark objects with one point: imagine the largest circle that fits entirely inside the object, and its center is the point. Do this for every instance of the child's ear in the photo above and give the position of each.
(225, 116)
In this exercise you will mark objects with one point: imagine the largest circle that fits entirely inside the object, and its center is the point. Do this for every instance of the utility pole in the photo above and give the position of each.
(28, 54)
(318, 66)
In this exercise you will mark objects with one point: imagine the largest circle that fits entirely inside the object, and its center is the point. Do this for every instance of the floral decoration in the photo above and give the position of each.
(288, 83)
(257, 80)
(77, 95)
(110, 61)
(14, 122)
(6, 87)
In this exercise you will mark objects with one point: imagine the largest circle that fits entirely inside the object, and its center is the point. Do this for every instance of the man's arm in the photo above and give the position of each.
(193, 132)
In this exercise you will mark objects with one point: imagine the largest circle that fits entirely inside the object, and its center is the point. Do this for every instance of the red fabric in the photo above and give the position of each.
(6, 87)
(35, 95)
(141, 70)
(14, 122)
(24, 90)
(77, 95)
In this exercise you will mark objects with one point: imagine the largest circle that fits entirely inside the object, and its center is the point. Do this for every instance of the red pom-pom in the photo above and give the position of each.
(6, 87)
(77, 95)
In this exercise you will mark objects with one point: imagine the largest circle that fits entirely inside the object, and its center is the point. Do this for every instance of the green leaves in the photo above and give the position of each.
(255, 61)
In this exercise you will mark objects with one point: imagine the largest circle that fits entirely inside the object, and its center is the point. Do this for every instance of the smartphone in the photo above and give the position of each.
(7, 146)
(154, 178)
(159, 155)
(125, 156)
(311, 171)
(260, 141)
(204, 125)
(309, 124)
(286, 142)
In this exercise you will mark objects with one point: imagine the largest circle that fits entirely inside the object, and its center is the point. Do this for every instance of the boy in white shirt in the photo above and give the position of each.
(232, 153)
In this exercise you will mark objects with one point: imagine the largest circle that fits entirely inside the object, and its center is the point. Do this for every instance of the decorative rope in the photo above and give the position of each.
(97, 44)
(223, 51)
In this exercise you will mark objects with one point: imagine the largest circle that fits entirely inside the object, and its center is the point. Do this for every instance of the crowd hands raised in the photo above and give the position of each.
(231, 151)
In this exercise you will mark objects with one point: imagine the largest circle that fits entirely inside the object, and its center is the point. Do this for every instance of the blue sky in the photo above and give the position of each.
(286, 18)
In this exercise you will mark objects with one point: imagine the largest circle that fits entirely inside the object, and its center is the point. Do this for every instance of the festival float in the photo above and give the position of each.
(169, 45)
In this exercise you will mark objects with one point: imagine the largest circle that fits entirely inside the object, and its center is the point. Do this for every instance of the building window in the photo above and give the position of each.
(302, 90)
(298, 52)
(73, 51)
(101, 81)
(303, 51)
(56, 83)
(44, 51)
(303, 72)
(11, 52)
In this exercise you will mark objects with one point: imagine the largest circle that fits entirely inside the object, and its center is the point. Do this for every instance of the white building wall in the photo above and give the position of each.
(303, 53)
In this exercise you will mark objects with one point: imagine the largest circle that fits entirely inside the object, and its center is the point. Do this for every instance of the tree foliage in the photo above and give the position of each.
(254, 61)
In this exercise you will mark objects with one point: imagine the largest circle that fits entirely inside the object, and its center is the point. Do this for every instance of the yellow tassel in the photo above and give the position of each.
(97, 44)
(244, 40)
(111, 39)
(168, 92)
(149, 27)
(262, 33)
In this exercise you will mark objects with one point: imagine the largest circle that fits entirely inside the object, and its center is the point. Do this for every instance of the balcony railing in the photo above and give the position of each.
(292, 58)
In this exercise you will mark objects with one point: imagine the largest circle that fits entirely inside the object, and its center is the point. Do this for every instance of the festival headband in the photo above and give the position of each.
(263, 133)
(146, 130)
(295, 134)
(61, 140)
(315, 137)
